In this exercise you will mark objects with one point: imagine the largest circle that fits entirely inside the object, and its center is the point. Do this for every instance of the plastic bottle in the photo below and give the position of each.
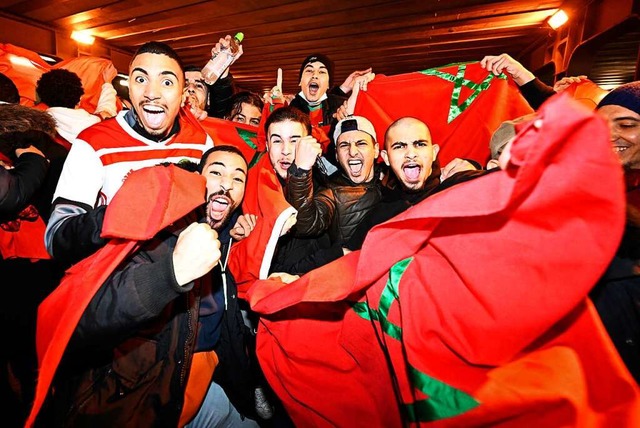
(218, 63)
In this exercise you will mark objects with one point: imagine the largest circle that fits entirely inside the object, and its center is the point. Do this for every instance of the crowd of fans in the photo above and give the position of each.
(165, 336)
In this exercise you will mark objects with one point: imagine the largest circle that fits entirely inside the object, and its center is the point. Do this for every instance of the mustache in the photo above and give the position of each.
(221, 192)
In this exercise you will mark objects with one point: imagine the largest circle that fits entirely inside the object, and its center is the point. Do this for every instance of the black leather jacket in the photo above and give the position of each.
(336, 209)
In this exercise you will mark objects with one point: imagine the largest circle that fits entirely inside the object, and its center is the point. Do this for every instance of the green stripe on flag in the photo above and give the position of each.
(248, 137)
(256, 158)
(443, 401)
(455, 108)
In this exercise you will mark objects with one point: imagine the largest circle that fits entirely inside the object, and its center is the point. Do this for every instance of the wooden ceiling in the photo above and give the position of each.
(391, 36)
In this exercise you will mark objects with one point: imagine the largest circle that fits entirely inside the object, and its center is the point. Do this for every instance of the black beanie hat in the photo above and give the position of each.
(319, 58)
(627, 96)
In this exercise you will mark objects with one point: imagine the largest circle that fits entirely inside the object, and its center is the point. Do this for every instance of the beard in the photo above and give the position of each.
(217, 225)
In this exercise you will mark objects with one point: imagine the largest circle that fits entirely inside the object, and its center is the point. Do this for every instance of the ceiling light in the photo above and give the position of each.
(83, 37)
(558, 19)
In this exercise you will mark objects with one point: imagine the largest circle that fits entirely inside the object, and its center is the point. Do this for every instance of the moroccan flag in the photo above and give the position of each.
(470, 308)
(250, 259)
(243, 137)
(149, 200)
(461, 103)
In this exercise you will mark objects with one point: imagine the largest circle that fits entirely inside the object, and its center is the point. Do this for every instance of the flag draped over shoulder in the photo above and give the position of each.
(470, 308)
(461, 103)
(149, 200)
(251, 258)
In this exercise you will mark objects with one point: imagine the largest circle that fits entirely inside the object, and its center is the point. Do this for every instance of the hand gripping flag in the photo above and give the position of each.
(470, 308)
(461, 103)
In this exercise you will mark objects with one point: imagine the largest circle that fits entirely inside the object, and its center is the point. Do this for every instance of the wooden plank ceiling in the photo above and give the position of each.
(391, 36)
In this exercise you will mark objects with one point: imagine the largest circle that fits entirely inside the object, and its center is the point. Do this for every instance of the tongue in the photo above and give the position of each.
(154, 119)
(355, 168)
(218, 206)
(411, 172)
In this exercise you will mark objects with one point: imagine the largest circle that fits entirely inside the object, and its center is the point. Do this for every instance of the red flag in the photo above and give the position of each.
(251, 258)
(475, 309)
(24, 68)
(243, 137)
(89, 69)
(587, 93)
(145, 193)
(461, 103)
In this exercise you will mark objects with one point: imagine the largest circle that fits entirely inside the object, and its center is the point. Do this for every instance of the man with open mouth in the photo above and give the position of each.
(349, 194)
(150, 329)
(415, 174)
(157, 129)
(320, 100)
(315, 97)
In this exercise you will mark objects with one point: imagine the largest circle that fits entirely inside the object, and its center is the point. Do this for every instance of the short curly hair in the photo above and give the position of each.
(8, 90)
(60, 88)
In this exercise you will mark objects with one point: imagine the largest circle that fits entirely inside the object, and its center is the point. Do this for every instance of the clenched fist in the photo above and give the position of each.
(196, 253)
(307, 152)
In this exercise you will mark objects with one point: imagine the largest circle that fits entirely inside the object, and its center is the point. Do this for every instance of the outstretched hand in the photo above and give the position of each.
(497, 64)
(223, 44)
(275, 96)
(349, 82)
(565, 82)
(109, 73)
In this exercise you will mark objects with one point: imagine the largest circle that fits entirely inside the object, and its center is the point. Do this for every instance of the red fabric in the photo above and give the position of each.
(250, 258)
(320, 134)
(64, 143)
(428, 98)
(90, 70)
(586, 93)
(24, 67)
(490, 306)
(25, 239)
(226, 132)
(149, 200)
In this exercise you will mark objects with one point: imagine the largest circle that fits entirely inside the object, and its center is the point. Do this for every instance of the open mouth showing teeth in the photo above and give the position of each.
(355, 166)
(218, 206)
(411, 171)
(153, 110)
(153, 116)
(619, 149)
